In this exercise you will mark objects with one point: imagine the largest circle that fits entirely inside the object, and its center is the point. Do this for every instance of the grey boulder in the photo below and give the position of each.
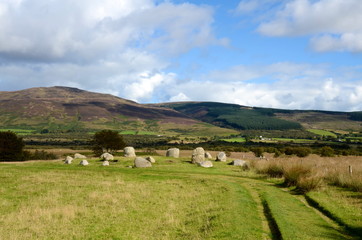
(129, 152)
(141, 162)
(173, 152)
(205, 164)
(221, 156)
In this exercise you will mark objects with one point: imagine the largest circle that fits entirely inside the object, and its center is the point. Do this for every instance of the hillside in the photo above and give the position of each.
(254, 118)
(64, 109)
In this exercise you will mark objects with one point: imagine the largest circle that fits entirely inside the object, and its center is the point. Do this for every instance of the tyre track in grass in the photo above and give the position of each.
(338, 223)
(278, 228)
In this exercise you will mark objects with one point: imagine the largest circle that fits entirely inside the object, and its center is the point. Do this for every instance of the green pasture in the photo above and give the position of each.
(240, 139)
(18, 131)
(295, 140)
(172, 200)
(322, 132)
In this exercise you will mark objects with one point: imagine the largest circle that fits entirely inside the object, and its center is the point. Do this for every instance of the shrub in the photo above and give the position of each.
(270, 168)
(258, 151)
(326, 152)
(39, 155)
(294, 173)
(11, 147)
(308, 183)
(107, 141)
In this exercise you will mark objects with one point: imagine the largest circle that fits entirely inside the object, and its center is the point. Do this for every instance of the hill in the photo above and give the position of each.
(64, 109)
(255, 118)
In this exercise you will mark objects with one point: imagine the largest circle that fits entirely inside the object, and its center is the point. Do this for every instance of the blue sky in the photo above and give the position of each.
(291, 54)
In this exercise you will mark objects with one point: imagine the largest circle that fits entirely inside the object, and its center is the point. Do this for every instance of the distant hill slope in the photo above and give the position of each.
(64, 109)
(254, 118)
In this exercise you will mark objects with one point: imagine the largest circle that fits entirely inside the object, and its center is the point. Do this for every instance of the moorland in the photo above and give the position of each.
(303, 178)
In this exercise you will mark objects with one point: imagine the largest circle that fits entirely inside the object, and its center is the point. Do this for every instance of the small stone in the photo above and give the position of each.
(77, 156)
(150, 159)
(205, 164)
(221, 156)
(107, 156)
(141, 162)
(84, 163)
(68, 160)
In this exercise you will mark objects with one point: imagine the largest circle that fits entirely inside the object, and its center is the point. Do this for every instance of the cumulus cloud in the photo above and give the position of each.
(289, 86)
(98, 45)
(335, 25)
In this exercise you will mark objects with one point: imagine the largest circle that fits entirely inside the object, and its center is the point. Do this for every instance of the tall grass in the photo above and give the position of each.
(312, 172)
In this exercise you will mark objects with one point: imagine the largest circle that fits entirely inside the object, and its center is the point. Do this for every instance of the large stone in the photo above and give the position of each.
(150, 159)
(173, 152)
(68, 160)
(239, 162)
(141, 162)
(107, 157)
(84, 163)
(205, 164)
(221, 156)
(208, 155)
(78, 155)
(105, 163)
(198, 155)
(129, 152)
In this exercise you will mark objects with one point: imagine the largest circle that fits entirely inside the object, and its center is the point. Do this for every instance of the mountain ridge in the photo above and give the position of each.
(61, 108)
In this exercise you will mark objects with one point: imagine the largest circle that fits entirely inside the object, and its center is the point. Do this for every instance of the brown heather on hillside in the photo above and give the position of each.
(45, 106)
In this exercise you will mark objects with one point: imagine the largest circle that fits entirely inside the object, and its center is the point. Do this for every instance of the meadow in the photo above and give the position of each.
(174, 200)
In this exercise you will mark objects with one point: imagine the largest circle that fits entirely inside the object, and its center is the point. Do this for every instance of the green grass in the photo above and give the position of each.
(240, 139)
(131, 132)
(39, 200)
(172, 200)
(293, 140)
(292, 216)
(322, 132)
(342, 205)
(18, 131)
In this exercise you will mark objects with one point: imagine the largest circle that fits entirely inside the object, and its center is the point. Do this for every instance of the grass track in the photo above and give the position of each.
(172, 200)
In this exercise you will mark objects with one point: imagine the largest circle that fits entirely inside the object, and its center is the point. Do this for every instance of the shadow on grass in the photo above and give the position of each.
(356, 232)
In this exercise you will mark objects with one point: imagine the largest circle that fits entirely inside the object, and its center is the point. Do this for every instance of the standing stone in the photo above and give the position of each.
(129, 152)
(150, 159)
(77, 156)
(173, 152)
(107, 157)
(239, 162)
(105, 163)
(84, 163)
(221, 156)
(198, 155)
(68, 160)
(141, 162)
(208, 155)
(205, 164)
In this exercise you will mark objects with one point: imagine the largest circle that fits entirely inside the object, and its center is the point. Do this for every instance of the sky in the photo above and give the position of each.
(290, 54)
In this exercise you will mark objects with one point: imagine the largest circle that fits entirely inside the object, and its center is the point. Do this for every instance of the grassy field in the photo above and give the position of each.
(172, 200)
(322, 132)
(18, 131)
(239, 139)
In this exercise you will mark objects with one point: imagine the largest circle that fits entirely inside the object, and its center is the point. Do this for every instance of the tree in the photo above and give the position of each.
(107, 141)
(11, 147)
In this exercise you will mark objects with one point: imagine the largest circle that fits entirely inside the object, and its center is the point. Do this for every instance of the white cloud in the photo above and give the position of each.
(335, 24)
(289, 86)
(117, 46)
